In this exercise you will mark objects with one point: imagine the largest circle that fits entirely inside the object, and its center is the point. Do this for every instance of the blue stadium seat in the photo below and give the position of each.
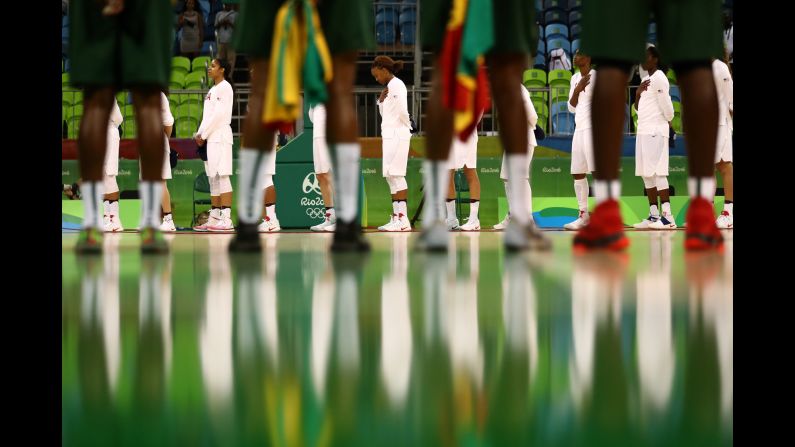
(540, 62)
(575, 45)
(563, 123)
(559, 43)
(556, 31)
(575, 30)
(575, 17)
(408, 25)
(574, 5)
(556, 16)
(674, 92)
(385, 20)
(557, 4)
(542, 47)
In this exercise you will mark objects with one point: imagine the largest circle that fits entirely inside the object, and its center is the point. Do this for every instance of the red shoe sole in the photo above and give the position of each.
(618, 244)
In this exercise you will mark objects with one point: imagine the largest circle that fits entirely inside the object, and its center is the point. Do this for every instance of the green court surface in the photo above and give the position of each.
(476, 347)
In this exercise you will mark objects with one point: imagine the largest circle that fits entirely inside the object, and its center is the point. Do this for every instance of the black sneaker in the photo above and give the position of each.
(348, 237)
(246, 239)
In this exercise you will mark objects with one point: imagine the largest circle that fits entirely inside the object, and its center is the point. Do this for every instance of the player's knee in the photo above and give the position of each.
(649, 182)
(224, 184)
(662, 182)
(400, 183)
(215, 187)
(268, 182)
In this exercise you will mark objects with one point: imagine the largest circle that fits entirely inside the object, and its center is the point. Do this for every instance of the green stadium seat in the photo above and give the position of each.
(677, 108)
(70, 111)
(189, 110)
(671, 77)
(560, 78)
(121, 98)
(73, 126)
(534, 78)
(64, 79)
(198, 64)
(541, 107)
(177, 80)
(195, 80)
(71, 97)
(560, 93)
(539, 95)
(677, 124)
(180, 64)
(185, 126)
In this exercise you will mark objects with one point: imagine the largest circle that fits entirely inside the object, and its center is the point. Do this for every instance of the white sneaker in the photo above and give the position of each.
(644, 224)
(663, 223)
(223, 224)
(113, 224)
(323, 226)
(388, 224)
(504, 223)
(471, 225)
(211, 222)
(452, 224)
(582, 220)
(725, 221)
(168, 223)
(269, 225)
(402, 223)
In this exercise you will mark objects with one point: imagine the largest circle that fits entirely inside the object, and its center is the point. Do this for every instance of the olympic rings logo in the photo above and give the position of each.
(316, 213)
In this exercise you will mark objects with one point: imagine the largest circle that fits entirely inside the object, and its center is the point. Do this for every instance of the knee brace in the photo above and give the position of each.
(399, 183)
(109, 182)
(215, 187)
(649, 182)
(662, 182)
(268, 181)
(224, 184)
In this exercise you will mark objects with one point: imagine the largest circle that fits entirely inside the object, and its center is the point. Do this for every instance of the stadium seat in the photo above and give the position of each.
(71, 97)
(542, 48)
(674, 92)
(560, 94)
(677, 124)
(408, 24)
(556, 16)
(563, 123)
(560, 78)
(385, 21)
(534, 78)
(195, 80)
(574, 5)
(556, 31)
(198, 63)
(185, 127)
(180, 64)
(177, 80)
(64, 79)
(677, 108)
(575, 30)
(575, 17)
(575, 45)
(190, 110)
(671, 77)
(73, 126)
(540, 62)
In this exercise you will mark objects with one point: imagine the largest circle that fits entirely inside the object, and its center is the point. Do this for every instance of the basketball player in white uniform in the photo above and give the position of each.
(395, 137)
(168, 126)
(582, 160)
(270, 222)
(655, 112)
(216, 130)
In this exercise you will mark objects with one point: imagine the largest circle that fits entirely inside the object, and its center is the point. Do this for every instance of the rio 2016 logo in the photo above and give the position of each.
(311, 184)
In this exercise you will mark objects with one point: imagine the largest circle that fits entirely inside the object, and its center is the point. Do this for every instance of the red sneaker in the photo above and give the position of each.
(702, 232)
(604, 231)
